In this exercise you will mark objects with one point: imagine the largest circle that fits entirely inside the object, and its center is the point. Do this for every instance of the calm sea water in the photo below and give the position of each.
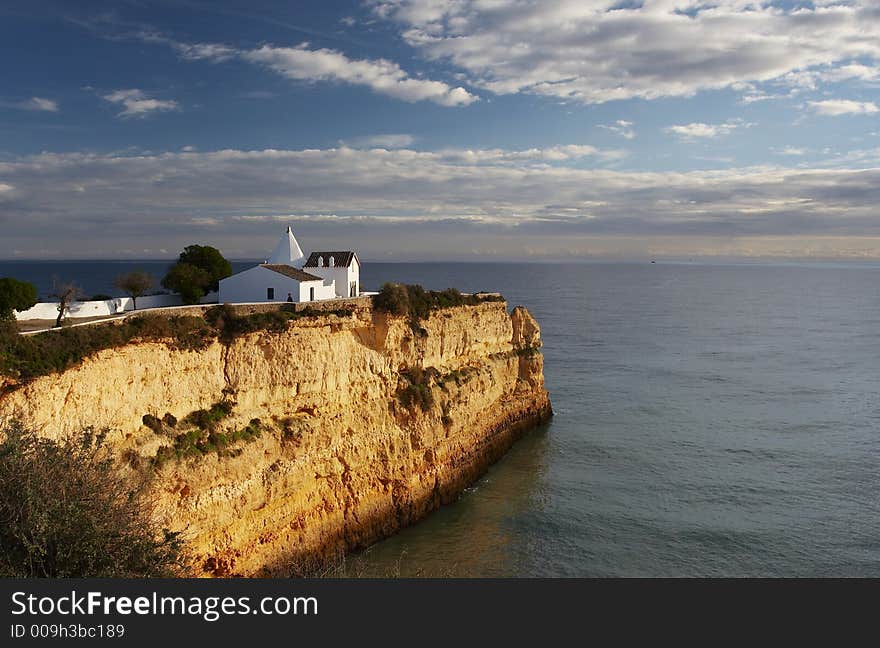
(710, 421)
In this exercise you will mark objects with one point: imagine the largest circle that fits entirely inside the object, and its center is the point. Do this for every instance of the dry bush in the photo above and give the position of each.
(66, 511)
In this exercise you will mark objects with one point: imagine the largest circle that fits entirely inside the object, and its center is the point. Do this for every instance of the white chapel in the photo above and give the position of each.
(288, 276)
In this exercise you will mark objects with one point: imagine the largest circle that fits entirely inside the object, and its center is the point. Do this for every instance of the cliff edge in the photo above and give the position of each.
(276, 449)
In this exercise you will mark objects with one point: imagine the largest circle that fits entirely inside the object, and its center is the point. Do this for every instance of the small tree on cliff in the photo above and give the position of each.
(15, 295)
(66, 292)
(198, 271)
(134, 284)
(66, 511)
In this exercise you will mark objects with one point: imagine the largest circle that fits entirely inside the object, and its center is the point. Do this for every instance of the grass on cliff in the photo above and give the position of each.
(199, 433)
(27, 357)
(418, 393)
(66, 511)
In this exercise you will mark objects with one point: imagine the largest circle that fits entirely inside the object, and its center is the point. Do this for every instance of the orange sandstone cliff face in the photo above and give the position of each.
(344, 457)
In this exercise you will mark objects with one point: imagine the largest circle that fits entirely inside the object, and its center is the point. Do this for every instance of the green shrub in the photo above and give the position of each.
(418, 393)
(248, 433)
(209, 418)
(392, 298)
(205, 437)
(67, 512)
(418, 303)
(228, 325)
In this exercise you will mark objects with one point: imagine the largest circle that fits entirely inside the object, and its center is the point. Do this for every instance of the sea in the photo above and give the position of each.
(710, 420)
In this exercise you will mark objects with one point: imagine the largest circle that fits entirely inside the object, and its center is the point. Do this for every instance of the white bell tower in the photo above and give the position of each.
(287, 252)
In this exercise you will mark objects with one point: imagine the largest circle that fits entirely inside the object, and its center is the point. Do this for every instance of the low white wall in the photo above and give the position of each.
(104, 308)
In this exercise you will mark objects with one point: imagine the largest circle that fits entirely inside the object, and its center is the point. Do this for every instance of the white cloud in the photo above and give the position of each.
(136, 103)
(200, 51)
(382, 76)
(835, 107)
(602, 50)
(386, 141)
(302, 63)
(437, 200)
(621, 127)
(563, 153)
(699, 130)
(41, 104)
(791, 150)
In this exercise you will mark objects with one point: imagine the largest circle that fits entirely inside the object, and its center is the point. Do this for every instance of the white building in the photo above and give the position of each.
(343, 268)
(282, 278)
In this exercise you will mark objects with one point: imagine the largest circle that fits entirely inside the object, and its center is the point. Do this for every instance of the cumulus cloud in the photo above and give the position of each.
(603, 50)
(431, 202)
(136, 103)
(699, 130)
(303, 63)
(836, 107)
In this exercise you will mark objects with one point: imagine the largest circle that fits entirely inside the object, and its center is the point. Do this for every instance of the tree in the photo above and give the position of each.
(198, 271)
(66, 292)
(15, 295)
(187, 280)
(134, 284)
(68, 511)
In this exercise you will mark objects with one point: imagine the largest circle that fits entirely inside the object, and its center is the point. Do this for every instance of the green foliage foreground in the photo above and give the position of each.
(67, 512)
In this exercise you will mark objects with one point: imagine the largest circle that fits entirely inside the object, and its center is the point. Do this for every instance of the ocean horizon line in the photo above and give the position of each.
(659, 260)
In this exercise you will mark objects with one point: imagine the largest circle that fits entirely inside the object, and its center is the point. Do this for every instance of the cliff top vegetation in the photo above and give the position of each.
(418, 303)
(26, 357)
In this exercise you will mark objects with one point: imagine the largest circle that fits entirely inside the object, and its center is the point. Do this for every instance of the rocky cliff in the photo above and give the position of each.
(344, 428)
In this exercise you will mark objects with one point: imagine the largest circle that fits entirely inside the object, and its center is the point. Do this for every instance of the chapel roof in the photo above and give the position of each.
(340, 259)
(290, 271)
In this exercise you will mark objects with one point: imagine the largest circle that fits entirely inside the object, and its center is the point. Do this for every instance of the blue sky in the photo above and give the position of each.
(441, 129)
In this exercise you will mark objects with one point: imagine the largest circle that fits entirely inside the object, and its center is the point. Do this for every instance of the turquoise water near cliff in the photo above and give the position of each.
(711, 420)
